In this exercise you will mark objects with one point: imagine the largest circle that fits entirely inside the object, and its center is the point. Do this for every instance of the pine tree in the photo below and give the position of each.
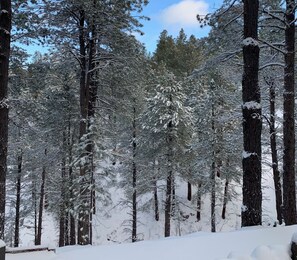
(167, 127)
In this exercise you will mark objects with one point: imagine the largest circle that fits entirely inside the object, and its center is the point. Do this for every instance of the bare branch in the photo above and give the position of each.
(272, 64)
(268, 12)
(272, 46)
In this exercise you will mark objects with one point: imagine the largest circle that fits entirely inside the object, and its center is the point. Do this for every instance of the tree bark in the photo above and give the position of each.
(72, 234)
(189, 191)
(213, 168)
(5, 29)
(252, 120)
(213, 197)
(18, 201)
(170, 177)
(157, 217)
(274, 156)
(134, 179)
(62, 216)
(289, 191)
(225, 199)
(34, 200)
(84, 211)
(72, 229)
(168, 204)
(41, 202)
(198, 215)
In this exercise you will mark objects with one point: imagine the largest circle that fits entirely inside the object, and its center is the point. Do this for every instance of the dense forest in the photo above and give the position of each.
(96, 113)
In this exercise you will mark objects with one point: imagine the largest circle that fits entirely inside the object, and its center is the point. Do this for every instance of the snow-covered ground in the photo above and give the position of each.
(255, 243)
(193, 241)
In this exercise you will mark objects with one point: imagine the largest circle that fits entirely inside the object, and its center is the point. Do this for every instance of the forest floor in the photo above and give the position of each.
(257, 243)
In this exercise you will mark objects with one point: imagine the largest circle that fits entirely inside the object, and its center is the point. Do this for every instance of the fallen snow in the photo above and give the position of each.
(246, 154)
(294, 238)
(256, 243)
(252, 105)
(250, 41)
(2, 243)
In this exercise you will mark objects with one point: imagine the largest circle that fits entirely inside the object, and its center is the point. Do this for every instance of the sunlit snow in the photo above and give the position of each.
(251, 244)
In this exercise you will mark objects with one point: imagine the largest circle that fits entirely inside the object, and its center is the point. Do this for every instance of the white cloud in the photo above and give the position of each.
(183, 14)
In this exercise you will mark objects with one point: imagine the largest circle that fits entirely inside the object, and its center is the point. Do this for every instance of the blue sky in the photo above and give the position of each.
(173, 15)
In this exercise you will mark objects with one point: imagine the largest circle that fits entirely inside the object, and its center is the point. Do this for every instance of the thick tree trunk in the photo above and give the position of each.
(225, 200)
(274, 156)
(5, 28)
(41, 201)
(198, 215)
(252, 120)
(18, 201)
(134, 180)
(289, 191)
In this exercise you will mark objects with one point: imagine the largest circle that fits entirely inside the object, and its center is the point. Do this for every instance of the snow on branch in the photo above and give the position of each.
(273, 14)
(272, 46)
(5, 31)
(246, 154)
(4, 103)
(249, 41)
(272, 64)
(251, 105)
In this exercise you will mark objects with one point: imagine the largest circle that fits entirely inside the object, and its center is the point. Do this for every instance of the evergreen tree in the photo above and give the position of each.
(167, 127)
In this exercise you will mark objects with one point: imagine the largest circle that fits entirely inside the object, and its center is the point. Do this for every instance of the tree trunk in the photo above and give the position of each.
(189, 191)
(170, 178)
(289, 191)
(157, 217)
(213, 167)
(225, 199)
(34, 199)
(213, 197)
(72, 229)
(41, 201)
(252, 120)
(173, 197)
(72, 234)
(198, 215)
(5, 28)
(134, 180)
(274, 156)
(18, 201)
(84, 211)
(168, 204)
(62, 221)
